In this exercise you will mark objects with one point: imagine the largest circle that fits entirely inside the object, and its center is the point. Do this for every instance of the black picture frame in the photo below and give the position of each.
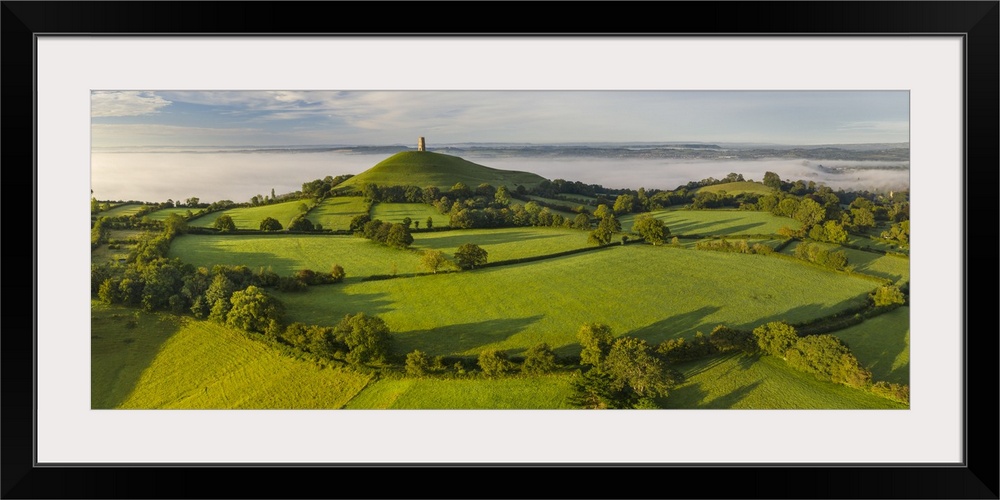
(977, 477)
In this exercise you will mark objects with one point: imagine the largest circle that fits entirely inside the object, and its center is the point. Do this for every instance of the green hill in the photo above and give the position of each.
(426, 168)
(737, 188)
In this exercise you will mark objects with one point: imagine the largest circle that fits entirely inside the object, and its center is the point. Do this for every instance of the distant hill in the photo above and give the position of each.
(427, 168)
(735, 188)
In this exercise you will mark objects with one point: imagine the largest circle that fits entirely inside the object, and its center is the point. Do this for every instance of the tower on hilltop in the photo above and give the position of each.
(420, 145)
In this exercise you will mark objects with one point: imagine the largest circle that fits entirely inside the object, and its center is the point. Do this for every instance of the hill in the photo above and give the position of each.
(736, 188)
(426, 168)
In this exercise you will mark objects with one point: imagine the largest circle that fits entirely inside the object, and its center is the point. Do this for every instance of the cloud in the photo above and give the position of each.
(125, 103)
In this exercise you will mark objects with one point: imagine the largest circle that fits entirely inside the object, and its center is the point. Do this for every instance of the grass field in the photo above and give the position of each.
(417, 212)
(171, 362)
(891, 267)
(717, 222)
(514, 393)
(506, 243)
(287, 253)
(568, 205)
(163, 213)
(741, 381)
(882, 344)
(250, 217)
(736, 188)
(653, 293)
(121, 210)
(336, 213)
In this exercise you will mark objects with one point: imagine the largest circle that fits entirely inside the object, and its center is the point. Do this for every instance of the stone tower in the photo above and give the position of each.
(420, 145)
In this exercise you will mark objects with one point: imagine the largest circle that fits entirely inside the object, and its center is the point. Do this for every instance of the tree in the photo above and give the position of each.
(596, 339)
(624, 204)
(358, 222)
(887, 295)
(582, 221)
(593, 390)
(808, 212)
(224, 224)
(502, 196)
(366, 337)
(651, 229)
(633, 364)
(772, 180)
(399, 236)
(253, 309)
(337, 274)
(602, 211)
(270, 224)
(494, 363)
(430, 223)
(432, 260)
(775, 338)
(301, 223)
(539, 359)
(418, 363)
(470, 255)
(605, 230)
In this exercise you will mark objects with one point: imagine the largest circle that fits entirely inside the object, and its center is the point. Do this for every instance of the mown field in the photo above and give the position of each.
(882, 344)
(546, 392)
(417, 212)
(287, 253)
(336, 213)
(740, 381)
(717, 222)
(649, 292)
(166, 361)
(250, 217)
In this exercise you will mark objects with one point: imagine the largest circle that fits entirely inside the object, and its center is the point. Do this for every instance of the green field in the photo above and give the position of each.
(741, 381)
(717, 222)
(171, 362)
(417, 212)
(250, 217)
(287, 253)
(514, 393)
(736, 188)
(892, 267)
(121, 210)
(505, 243)
(568, 205)
(163, 213)
(882, 344)
(650, 292)
(336, 213)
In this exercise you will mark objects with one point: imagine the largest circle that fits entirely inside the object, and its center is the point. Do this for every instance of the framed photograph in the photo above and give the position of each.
(915, 82)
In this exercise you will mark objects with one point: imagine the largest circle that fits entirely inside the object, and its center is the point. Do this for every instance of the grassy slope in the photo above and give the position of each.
(524, 393)
(162, 214)
(653, 293)
(250, 217)
(170, 362)
(121, 210)
(285, 254)
(736, 188)
(717, 222)
(891, 267)
(751, 382)
(425, 168)
(336, 213)
(882, 344)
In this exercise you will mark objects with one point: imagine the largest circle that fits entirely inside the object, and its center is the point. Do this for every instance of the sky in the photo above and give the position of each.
(137, 118)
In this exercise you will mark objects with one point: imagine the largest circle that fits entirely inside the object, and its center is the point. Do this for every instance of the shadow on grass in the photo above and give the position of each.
(457, 339)
(457, 238)
(121, 349)
(682, 325)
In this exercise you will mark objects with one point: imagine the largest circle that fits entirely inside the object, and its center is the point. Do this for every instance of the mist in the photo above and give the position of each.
(157, 176)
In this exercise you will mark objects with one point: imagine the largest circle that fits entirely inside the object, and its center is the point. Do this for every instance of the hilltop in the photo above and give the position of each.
(426, 168)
